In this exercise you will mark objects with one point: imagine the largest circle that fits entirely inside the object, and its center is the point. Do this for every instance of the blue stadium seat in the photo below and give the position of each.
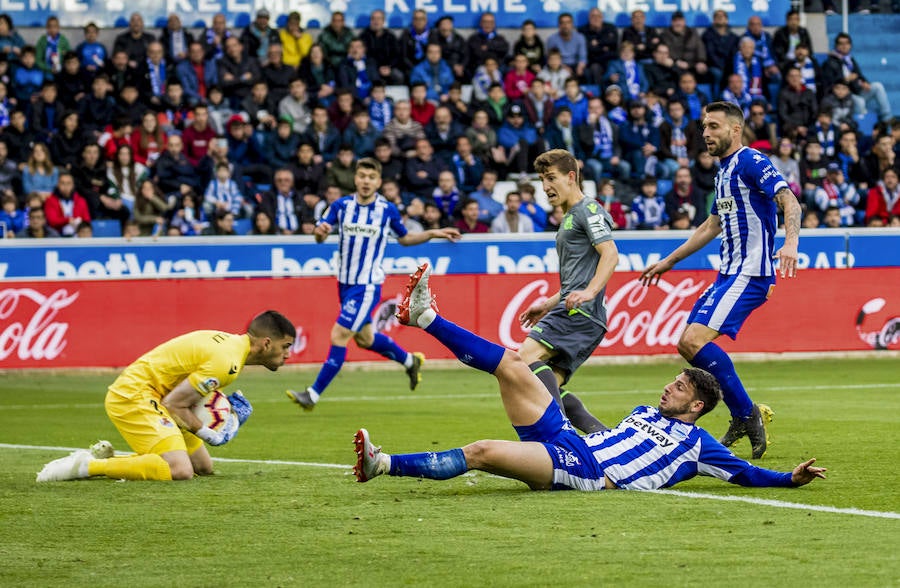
(591, 89)
(820, 58)
(106, 228)
(242, 226)
(866, 122)
(707, 90)
(263, 187)
(663, 187)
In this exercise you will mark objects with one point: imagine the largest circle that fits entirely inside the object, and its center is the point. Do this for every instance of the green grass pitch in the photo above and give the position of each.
(308, 523)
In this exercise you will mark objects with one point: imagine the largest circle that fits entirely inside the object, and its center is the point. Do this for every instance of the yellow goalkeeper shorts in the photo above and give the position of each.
(147, 426)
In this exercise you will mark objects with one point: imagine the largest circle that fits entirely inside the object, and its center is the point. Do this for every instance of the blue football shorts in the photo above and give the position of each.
(357, 303)
(727, 303)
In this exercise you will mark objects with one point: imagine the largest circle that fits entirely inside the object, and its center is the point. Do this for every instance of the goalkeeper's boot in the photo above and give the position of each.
(102, 450)
(417, 299)
(304, 399)
(72, 467)
(415, 370)
(370, 461)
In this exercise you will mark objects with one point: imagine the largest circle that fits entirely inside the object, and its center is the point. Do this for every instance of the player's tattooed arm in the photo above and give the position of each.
(788, 255)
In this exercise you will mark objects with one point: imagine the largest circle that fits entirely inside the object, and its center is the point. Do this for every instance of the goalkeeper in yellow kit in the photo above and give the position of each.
(150, 403)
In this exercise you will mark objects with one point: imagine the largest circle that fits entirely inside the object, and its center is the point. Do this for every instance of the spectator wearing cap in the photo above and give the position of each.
(196, 74)
(721, 44)
(640, 143)
(486, 42)
(571, 44)
(322, 134)
(627, 73)
(443, 132)
(237, 72)
(280, 146)
(276, 74)
(258, 36)
(602, 40)
(453, 47)
(685, 46)
(175, 40)
(599, 139)
(797, 107)
(837, 192)
(335, 39)
(520, 140)
(575, 100)
(173, 170)
(357, 71)
(382, 46)
(134, 41)
(296, 105)
(309, 174)
(642, 38)
(295, 41)
(361, 135)
(434, 73)
(414, 40)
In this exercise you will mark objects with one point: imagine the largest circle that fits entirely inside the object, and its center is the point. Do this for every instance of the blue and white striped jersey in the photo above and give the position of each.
(745, 203)
(647, 451)
(363, 231)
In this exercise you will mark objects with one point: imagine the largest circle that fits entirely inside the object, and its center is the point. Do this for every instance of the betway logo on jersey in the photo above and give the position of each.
(119, 265)
(660, 437)
(360, 230)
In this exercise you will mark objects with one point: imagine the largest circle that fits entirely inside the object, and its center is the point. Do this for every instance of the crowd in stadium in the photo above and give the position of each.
(182, 133)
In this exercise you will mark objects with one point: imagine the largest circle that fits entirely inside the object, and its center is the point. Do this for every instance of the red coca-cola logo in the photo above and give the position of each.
(38, 335)
(635, 315)
(885, 337)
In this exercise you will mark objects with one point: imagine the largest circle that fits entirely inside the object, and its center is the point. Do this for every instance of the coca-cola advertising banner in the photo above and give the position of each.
(110, 323)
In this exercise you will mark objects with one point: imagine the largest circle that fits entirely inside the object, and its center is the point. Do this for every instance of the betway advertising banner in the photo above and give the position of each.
(72, 323)
(197, 257)
(317, 13)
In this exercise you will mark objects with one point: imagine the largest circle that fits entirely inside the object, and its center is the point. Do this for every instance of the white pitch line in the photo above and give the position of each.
(745, 499)
(419, 397)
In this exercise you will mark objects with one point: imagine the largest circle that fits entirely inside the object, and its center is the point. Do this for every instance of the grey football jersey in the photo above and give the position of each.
(585, 225)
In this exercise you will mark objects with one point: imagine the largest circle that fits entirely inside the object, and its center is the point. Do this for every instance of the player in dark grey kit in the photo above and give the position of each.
(568, 326)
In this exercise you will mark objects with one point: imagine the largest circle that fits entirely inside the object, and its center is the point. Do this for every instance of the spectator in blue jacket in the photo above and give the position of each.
(648, 209)
(435, 73)
(27, 78)
(360, 135)
(640, 143)
(197, 75)
(519, 140)
(562, 134)
(627, 73)
(280, 146)
(467, 168)
(357, 71)
(575, 100)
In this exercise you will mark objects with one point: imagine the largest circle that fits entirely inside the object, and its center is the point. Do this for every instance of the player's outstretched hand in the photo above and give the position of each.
(787, 261)
(805, 473)
(240, 406)
(450, 233)
(532, 315)
(654, 272)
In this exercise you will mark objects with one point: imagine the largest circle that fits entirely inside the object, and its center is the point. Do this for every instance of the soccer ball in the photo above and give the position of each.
(214, 411)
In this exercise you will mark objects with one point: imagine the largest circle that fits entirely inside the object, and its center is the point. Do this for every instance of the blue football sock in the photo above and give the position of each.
(386, 346)
(330, 368)
(435, 466)
(471, 349)
(713, 359)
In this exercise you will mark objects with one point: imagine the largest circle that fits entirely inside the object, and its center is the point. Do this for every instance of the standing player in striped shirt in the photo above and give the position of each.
(748, 187)
(365, 220)
(651, 448)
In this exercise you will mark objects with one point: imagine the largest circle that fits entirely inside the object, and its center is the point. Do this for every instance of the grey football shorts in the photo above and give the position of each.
(572, 336)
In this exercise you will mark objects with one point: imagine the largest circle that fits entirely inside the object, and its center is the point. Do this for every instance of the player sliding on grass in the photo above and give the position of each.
(364, 220)
(748, 187)
(150, 403)
(651, 448)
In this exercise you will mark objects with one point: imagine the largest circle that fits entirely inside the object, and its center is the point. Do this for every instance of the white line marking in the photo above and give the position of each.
(748, 500)
(429, 397)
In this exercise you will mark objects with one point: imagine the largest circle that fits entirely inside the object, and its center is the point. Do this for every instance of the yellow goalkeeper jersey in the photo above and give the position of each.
(210, 360)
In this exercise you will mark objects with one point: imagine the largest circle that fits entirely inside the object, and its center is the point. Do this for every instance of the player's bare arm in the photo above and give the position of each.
(322, 231)
(179, 402)
(787, 255)
(536, 311)
(450, 234)
(609, 257)
(706, 232)
(805, 473)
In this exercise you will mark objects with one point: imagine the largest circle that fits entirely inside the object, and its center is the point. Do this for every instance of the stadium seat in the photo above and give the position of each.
(591, 90)
(866, 122)
(663, 187)
(707, 90)
(589, 187)
(397, 93)
(466, 93)
(502, 188)
(106, 228)
(242, 226)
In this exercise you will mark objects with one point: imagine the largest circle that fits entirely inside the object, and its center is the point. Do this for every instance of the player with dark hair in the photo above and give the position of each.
(748, 187)
(651, 448)
(364, 220)
(568, 326)
(150, 403)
